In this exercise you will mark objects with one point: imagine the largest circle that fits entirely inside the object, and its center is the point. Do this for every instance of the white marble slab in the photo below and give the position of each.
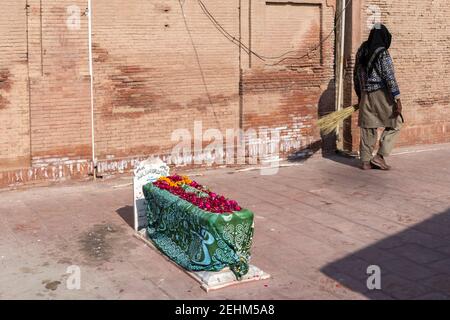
(212, 280)
(147, 171)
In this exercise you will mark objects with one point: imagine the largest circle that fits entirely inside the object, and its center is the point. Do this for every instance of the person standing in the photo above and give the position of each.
(379, 98)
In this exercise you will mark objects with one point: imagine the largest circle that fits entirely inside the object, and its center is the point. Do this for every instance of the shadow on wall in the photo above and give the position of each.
(327, 142)
(414, 264)
(326, 105)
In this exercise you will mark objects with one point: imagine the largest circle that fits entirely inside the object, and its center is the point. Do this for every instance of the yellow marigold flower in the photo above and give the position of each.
(185, 180)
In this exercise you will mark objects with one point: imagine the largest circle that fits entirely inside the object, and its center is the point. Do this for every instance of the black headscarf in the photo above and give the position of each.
(379, 40)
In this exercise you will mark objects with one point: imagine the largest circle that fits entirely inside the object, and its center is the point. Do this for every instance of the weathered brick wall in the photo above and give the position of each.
(157, 70)
(59, 78)
(45, 109)
(14, 106)
(421, 33)
(294, 81)
(154, 77)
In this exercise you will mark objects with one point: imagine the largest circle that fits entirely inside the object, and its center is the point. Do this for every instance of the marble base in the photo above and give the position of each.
(212, 280)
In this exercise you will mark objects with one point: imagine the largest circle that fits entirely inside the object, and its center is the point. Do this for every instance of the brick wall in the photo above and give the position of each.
(59, 77)
(45, 92)
(14, 98)
(421, 35)
(158, 68)
(295, 80)
(163, 70)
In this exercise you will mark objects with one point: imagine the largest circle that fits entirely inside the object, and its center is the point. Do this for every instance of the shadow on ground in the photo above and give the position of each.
(305, 152)
(343, 159)
(414, 264)
(127, 214)
(309, 150)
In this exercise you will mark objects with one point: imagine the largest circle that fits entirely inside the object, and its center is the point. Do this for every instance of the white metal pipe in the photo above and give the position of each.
(341, 60)
(91, 75)
(341, 51)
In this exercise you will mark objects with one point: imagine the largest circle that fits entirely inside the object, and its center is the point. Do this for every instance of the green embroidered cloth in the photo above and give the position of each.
(196, 239)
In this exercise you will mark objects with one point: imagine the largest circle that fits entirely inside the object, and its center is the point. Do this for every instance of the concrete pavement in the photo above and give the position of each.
(319, 225)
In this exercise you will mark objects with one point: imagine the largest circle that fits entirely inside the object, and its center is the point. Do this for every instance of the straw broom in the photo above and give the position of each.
(330, 122)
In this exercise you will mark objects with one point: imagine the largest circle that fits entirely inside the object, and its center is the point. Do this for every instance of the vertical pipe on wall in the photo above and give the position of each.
(241, 93)
(27, 14)
(341, 60)
(91, 76)
(41, 36)
(250, 33)
(340, 67)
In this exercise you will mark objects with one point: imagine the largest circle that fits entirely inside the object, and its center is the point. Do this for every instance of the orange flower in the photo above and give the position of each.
(184, 180)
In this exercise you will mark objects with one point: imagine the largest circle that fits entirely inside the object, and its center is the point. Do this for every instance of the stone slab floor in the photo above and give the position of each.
(319, 225)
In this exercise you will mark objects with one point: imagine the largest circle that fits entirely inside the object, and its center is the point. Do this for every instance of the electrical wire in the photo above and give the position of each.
(197, 57)
(263, 58)
(228, 35)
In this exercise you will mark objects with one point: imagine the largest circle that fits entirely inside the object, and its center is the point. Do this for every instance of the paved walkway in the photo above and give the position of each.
(319, 225)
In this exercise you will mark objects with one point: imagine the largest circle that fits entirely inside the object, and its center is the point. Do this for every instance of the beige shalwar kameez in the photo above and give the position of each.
(376, 110)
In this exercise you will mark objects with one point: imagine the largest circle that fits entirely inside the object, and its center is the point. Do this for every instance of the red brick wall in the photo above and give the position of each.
(59, 77)
(45, 109)
(156, 70)
(155, 73)
(14, 106)
(290, 91)
(421, 31)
